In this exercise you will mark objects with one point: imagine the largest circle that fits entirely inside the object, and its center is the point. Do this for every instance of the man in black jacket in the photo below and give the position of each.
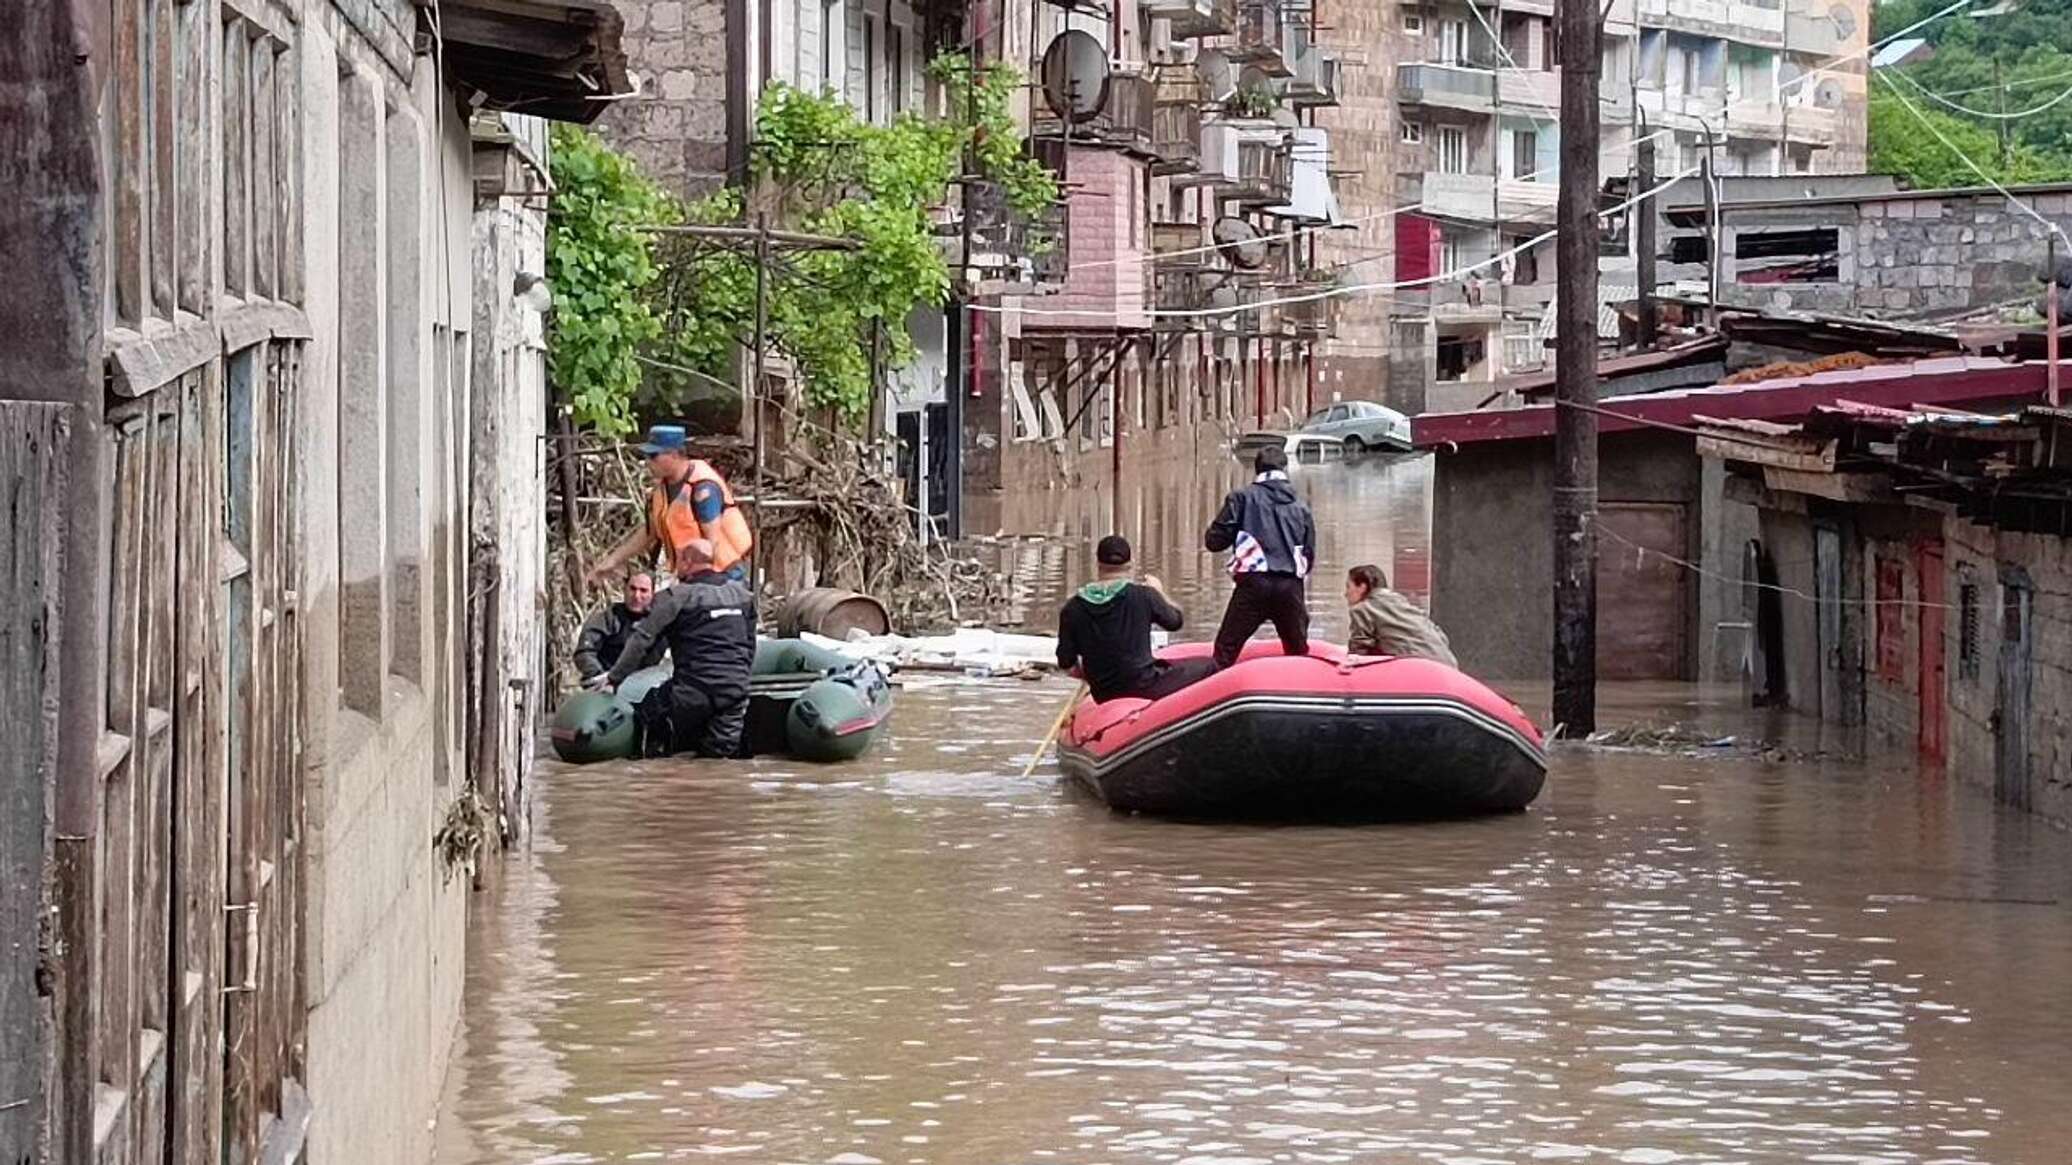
(1272, 539)
(1105, 632)
(708, 619)
(605, 633)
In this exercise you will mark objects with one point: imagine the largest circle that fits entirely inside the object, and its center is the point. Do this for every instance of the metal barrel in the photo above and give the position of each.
(833, 612)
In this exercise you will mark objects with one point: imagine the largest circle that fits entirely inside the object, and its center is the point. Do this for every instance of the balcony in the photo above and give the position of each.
(1755, 119)
(1679, 110)
(1538, 89)
(1262, 37)
(1264, 172)
(1125, 120)
(1812, 125)
(1177, 246)
(1195, 18)
(1310, 197)
(1458, 196)
(1445, 86)
(1315, 83)
(1012, 253)
(1525, 201)
(1760, 23)
(1615, 102)
(1312, 319)
(1175, 137)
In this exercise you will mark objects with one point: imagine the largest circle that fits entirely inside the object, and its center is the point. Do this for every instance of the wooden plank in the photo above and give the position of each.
(264, 219)
(126, 246)
(32, 441)
(139, 363)
(236, 159)
(1840, 487)
(1642, 592)
(155, 836)
(115, 1027)
(1809, 457)
(193, 225)
(163, 99)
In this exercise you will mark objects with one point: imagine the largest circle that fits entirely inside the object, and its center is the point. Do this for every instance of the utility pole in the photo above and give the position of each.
(1575, 375)
(2000, 124)
(1644, 236)
(1707, 174)
(2050, 322)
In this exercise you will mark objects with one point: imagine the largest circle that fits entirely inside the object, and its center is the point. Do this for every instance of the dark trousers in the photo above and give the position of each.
(682, 717)
(1263, 598)
(1168, 678)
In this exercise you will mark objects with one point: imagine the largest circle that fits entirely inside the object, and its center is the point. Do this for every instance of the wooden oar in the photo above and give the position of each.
(1057, 725)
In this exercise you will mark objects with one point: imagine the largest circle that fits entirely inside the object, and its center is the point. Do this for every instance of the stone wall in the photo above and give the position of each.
(1902, 258)
(677, 128)
(1363, 126)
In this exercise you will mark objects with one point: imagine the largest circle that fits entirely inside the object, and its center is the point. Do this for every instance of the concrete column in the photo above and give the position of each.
(361, 164)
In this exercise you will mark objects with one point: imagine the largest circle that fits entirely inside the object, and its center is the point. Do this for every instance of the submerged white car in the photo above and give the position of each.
(1362, 425)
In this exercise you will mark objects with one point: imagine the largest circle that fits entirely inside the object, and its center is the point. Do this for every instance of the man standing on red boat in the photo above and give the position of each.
(1272, 539)
(1104, 632)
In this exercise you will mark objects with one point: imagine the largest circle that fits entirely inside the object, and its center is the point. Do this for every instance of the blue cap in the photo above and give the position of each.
(665, 439)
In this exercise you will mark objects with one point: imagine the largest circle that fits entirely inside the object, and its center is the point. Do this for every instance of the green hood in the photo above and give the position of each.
(1098, 593)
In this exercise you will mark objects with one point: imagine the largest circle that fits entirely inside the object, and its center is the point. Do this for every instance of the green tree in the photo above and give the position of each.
(599, 269)
(2019, 62)
(1902, 142)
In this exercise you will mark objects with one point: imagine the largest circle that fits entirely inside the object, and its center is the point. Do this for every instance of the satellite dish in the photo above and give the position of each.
(1217, 74)
(1254, 77)
(1828, 95)
(1075, 76)
(1843, 18)
(1224, 300)
(1239, 243)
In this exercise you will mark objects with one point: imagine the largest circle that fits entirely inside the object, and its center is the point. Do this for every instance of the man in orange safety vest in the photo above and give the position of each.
(689, 500)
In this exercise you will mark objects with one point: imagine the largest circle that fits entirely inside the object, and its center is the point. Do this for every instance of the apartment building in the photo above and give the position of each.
(1178, 298)
(1749, 88)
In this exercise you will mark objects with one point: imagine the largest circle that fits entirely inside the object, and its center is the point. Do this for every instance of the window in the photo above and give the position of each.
(1804, 256)
(895, 51)
(1525, 264)
(830, 26)
(870, 69)
(1337, 413)
(1967, 631)
(1453, 42)
(1457, 354)
(1413, 23)
(1453, 150)
(1413, 133)
(1449, 254)
(1525, 155)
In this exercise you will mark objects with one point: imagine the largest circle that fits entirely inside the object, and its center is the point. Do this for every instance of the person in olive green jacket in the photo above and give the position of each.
(1386, 623)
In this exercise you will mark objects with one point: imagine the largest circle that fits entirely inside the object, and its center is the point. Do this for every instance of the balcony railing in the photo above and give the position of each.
(1123, 122)
(1262, 37)
(1175, 137)
(1177, 245)
(1195, 18)
(1315, 82)
(1812, 124)
(1447, 85)
(1312, 318)
(1265, 172)
(1534, 88)
(1528, 201)
(1465, 196)
(1010, 247)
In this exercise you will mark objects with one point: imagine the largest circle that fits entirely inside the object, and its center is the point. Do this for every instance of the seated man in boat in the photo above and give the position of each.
(708, 621)
(1386, 623)
(1272, 539)
(1104, 632)
(605, 633)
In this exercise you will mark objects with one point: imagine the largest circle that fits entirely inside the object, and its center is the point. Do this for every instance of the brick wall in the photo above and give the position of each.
(677, 128)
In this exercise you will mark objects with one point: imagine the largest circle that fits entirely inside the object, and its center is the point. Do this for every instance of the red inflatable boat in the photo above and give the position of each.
(1306, 738)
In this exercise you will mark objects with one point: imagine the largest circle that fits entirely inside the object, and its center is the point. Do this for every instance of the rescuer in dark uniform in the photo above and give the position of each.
(708, 620)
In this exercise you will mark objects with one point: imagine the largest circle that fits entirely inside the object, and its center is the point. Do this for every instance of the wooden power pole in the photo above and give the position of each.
(1644, 239)
(1575, 375)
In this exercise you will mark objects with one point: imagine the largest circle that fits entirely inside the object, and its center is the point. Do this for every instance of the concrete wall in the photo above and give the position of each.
(384, 926)
(1492, 546)
(1978, 555)
(1364, 130)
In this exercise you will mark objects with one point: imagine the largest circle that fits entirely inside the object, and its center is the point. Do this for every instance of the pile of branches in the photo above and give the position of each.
(828, 510)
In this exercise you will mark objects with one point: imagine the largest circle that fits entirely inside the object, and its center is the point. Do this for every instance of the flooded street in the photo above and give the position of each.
(919, 958)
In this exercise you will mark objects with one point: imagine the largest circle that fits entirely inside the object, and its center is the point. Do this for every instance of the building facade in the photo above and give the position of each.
(1745, 88)
(240, 412)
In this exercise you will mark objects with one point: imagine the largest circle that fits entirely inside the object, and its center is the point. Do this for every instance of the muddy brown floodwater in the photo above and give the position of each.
(919, 958)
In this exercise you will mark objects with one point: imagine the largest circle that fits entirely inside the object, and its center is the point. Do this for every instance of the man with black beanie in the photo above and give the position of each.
(1272, 539)
(1105, 632)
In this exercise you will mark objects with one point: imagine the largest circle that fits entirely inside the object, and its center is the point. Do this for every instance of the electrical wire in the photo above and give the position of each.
(1340, 292)
(1828, 65)
(1965, 158)
(1641, 551)
(2018, 83)
(1992, 115)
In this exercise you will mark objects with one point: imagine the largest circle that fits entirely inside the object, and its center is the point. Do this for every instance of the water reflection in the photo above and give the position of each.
(922, 959)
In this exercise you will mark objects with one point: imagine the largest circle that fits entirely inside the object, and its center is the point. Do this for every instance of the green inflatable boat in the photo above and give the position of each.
(803, 701)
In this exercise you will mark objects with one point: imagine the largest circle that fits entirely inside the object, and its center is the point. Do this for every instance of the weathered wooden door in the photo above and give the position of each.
(1929, 676)
(2011, 705)
(1827, 593)
(1642, 611)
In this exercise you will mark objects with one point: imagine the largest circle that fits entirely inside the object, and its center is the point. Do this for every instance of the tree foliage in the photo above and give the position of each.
(599, 270)
(2013, 61)
(646, 323)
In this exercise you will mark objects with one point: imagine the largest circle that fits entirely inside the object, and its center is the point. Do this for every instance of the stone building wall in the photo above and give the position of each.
(1355, 365)
(677, 128)
(1901, 258)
